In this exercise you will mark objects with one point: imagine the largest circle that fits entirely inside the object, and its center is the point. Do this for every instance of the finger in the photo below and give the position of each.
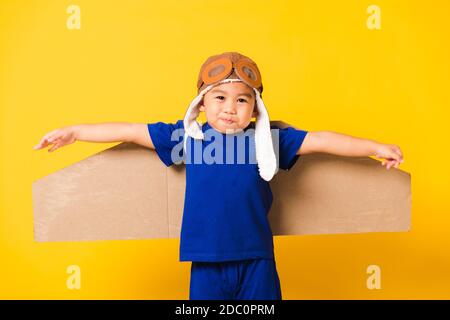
(392, 163)
(389, 165)
(41, 143)
(394, 155)
(53, 138)
(399, 152)
(44, 141)
(49, 137)
(55, 146)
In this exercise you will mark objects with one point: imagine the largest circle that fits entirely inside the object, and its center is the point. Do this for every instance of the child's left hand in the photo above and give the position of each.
(391, 153)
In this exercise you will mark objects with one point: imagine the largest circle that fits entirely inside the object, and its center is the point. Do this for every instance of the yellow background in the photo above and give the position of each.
(322, 69)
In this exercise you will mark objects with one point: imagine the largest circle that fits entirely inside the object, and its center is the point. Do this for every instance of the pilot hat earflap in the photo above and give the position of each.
(265, 155)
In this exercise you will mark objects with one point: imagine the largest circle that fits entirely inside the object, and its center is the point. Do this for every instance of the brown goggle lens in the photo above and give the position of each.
(222, 67)
(249, 73)
(217, 70)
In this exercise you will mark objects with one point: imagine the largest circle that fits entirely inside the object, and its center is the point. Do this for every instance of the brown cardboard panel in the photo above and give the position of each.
(126, 192)
(329, 194)
(119, 193)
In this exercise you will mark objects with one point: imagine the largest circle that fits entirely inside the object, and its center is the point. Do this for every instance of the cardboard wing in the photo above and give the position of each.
(126, 192)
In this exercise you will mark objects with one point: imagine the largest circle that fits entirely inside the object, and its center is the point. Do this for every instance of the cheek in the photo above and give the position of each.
(213, 109)
(208, 104)
(248, 110)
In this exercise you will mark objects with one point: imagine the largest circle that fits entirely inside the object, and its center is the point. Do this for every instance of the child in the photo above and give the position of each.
(225, 231)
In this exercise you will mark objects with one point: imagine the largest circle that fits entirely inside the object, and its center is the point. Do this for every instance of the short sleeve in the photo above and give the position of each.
(289, 141)
(168, 141)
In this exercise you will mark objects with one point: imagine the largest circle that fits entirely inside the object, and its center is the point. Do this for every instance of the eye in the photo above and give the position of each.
(243, 100)
(220, 97)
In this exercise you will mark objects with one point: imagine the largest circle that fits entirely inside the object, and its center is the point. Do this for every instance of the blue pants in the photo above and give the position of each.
(255, 279)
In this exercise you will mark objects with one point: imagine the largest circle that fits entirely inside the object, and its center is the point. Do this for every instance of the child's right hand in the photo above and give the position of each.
(59, 138)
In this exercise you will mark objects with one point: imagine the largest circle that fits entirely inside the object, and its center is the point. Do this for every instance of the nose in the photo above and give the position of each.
(229, 108)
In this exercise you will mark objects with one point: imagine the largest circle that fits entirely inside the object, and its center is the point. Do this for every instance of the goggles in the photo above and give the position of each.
(223, 67)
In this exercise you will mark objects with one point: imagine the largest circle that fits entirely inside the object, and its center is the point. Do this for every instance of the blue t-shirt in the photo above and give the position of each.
(226, 201)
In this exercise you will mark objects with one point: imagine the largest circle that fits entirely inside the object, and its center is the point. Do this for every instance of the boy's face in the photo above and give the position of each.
(234, 101)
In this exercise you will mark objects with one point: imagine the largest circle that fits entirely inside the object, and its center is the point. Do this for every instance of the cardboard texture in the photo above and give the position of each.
(126, 192)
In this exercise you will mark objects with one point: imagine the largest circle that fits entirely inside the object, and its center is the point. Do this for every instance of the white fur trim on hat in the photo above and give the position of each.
(265, 155)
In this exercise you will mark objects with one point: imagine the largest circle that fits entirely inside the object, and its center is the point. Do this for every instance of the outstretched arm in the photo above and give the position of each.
(99, 132)
(345, 145)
